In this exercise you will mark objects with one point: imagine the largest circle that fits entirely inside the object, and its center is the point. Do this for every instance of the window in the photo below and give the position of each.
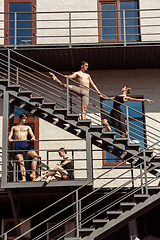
(136, 127)
(20, 22)
(111, 20)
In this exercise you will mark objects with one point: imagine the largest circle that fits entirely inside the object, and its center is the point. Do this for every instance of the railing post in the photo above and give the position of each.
(77, 214)
(8, 66)
(124, 27)
(145, 171)
(89, 156)
(127, 122)
(70, 38)
(15, 30)
(68, 96)
(142, 190)
(5, 236)
(17, 75)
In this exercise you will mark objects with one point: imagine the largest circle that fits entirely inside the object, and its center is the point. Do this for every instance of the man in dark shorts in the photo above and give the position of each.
(20, 132)
(61, 171)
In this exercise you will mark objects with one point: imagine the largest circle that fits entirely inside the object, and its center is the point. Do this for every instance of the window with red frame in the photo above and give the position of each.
(112, 17)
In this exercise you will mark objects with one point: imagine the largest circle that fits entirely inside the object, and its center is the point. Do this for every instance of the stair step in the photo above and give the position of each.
(113, 214)
(14, 87)
(73, 116)
(141, 197)
(148, 153)
(37, 99)
(84, 122)
(49, 105)
(86, 229)
(61, 110)
(4, 82)
(121, 139)
(99, 222)
(127, 205)
(108, 134)
(70, 238)
(96, 128)
(25, 93)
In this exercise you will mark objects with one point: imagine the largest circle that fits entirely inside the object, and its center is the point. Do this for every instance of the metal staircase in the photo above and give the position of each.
(99, 222)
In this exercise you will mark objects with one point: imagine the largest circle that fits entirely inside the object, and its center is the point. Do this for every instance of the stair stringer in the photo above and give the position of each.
(124, 218)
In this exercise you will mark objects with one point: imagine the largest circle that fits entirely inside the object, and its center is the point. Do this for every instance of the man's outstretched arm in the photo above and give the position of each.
(93, 85)
(74, 75)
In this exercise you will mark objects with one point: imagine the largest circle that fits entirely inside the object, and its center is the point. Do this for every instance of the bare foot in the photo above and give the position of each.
(23, 180)
(33, 177)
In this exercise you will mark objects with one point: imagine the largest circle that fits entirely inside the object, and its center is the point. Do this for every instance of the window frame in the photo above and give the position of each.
(6, 19)
(124, 165)
(118, 26)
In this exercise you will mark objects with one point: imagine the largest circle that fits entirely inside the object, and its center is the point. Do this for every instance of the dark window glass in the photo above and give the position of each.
(23, 23)
(108, 22)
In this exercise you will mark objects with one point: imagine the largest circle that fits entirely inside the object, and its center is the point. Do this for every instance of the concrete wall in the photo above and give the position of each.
(150, 20)
(62, 35)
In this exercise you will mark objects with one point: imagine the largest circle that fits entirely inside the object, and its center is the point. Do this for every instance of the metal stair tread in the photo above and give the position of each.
(114, 212)
(141, 195)
(127, 204)
(100, 220)
(86, 229)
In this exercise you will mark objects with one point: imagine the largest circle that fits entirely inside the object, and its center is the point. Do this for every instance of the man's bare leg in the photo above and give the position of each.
(106, 124)
(35, 157)
(84, 110)
(22, 167)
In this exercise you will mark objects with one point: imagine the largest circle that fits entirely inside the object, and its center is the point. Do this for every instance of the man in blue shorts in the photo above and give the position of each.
(20, 133)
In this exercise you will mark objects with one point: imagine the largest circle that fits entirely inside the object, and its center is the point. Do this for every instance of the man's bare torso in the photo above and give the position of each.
(83, 78)
(20, 132)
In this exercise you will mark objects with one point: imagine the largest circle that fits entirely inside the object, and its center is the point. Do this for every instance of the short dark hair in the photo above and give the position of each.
(83, 62)
(63, 149)
(23, 115)
(129, 90)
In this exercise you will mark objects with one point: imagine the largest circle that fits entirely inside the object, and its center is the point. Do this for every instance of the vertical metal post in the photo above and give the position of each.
(132, 175)
(77, 214)
(89, 156)
(70, 38)
(124, 27)
(5, 138)
(5, 236)
(145, 171)
(127, 114)
(8, 66)
(80, 217)
(67, 96)
(142, 190)
(17, 75)
(15, 30)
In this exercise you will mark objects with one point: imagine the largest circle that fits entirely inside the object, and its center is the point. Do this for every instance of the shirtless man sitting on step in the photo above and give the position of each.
(20, 132)
(82, 90)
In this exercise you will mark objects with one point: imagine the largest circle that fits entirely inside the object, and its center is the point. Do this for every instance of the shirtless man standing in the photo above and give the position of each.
(84, 80)
(20, 132)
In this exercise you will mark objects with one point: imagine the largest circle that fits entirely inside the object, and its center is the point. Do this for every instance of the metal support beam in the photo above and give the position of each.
(89, 156)
(5, 137)
(14, 211)
(133, 230)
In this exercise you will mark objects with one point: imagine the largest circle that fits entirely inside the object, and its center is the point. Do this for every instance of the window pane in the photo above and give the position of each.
(24, 20)
(131, 21)
(108, 21)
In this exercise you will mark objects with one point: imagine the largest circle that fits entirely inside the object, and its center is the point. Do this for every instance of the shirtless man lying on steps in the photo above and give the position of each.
(20, 132)
(82, 90)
